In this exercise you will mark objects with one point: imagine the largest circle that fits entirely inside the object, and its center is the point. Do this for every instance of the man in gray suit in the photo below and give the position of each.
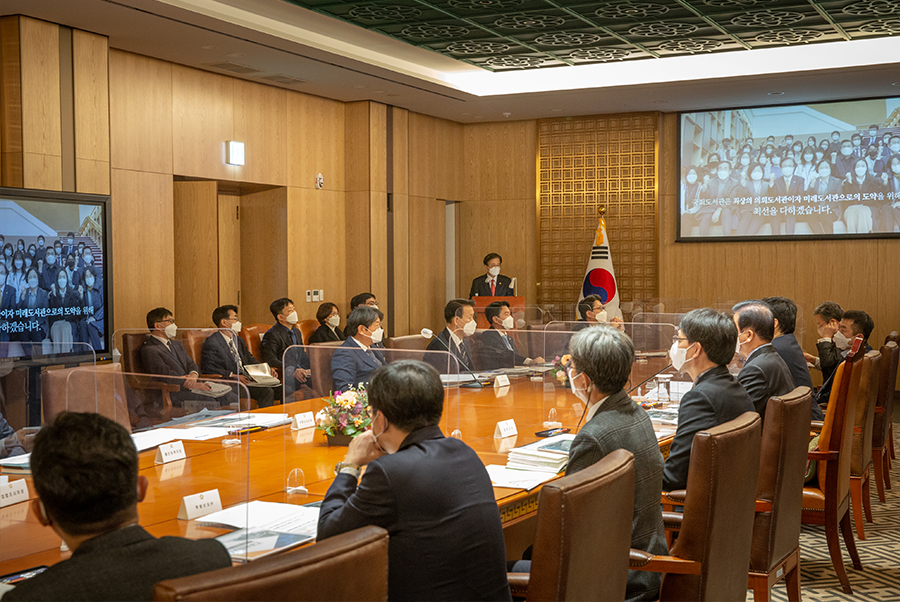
(601, 364)
(85, 470)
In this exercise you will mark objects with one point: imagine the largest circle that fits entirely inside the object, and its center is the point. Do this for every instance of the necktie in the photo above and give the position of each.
(293, 336)
(506, 342)
(493, 287)
(234, 352)
(463, 355)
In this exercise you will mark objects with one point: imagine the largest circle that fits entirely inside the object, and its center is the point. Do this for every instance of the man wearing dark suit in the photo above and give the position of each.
(49, 269)
(764, 374)
(432, 494)
(703, 350)
(785, 343)
(295, 368)
(831, 342)
(363, 299)
(70, 248)
(495, 349)
(85, 471)
(459, 314)
(362, 353)
(225, 353)
(162, 355)
(492, 284)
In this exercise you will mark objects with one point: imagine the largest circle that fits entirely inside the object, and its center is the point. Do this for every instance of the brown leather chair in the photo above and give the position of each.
(861, 458)
(193, 340)
(827, 501)
(143, 387)
(884, 408)
(775, 549)
(350, 566)
(709, 559)
(307, 328)
(412, 342)
(320, 365)
(252, 336)
(99, 389)
(583, 535)
(894, 336)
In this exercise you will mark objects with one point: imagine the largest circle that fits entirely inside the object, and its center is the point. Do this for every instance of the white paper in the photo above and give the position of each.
(304, 420)
(149, 439)
(501, 381)
(252, 515)
(20, 461)
(200, 504)
(501, 476)
(13, 493)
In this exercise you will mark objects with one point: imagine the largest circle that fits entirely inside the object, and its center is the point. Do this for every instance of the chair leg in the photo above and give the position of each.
(866, 497)
(887, 470)
(761, 590)
(878, 465)
(891, 440)
(834, 549)
(792, 582)
(847, 532)
(856, 504)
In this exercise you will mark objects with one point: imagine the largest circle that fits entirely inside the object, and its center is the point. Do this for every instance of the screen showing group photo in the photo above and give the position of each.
(53, 275)
(823, 169)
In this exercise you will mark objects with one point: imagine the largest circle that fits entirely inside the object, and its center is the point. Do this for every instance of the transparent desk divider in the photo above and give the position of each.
(523, 317)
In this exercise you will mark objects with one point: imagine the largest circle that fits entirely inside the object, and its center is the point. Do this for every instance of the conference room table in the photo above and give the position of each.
(258, 468)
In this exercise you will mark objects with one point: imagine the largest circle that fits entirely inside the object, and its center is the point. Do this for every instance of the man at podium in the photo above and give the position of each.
(492, 284)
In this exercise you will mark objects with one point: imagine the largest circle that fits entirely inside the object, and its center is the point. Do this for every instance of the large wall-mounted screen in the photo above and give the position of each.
(54, 275)
(795, 171)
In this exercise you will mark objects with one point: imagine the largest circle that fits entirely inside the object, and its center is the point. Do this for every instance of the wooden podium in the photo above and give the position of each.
(516, 304)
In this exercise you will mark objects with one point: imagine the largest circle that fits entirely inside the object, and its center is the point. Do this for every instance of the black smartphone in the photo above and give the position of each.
(551, 432)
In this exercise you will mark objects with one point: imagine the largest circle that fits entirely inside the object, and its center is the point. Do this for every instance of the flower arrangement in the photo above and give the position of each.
(345, 413)
(560, 367)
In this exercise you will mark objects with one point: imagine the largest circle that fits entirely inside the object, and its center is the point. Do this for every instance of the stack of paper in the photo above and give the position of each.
(667, 416)
(264, 528)
(549, 455)
(20, 464)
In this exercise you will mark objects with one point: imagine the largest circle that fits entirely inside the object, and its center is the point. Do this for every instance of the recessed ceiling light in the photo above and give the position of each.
(660, 102)
(209, 47)
(776, 93)
(359, 87)
(235, 55)
(557, 110)
(896, 84)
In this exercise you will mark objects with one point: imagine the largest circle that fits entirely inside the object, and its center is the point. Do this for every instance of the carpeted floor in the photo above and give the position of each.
(880, 555)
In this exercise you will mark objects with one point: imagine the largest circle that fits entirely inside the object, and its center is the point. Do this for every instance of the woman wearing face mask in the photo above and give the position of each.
(740, 167)
(63, 298)
(602, 359)
(329, 317)
(873, 162)
(690, 197)
(362, 353)
(48, 269)
(8, 255)
(34, 297)
(775, 169)
(891, 210)
(755, 188)
(824, 187)
(858, 215)
(806, 167)
(89, 328)
(16, 277)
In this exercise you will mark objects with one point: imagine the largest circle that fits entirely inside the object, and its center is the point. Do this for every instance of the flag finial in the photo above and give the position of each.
(601, 210)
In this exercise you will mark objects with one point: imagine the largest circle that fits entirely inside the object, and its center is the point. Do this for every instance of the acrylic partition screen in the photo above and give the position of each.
(827, 169)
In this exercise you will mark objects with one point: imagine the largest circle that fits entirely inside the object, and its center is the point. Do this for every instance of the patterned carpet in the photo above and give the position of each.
(880, 555)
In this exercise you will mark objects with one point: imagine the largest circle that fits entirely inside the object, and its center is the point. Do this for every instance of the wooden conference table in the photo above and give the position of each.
(258, 469)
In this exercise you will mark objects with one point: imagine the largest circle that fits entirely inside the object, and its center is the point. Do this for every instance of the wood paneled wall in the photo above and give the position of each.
(196, 228)
(90, 63)
(266, 247)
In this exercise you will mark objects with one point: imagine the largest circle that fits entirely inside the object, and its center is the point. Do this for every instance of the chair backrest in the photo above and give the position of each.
(584, 533)
(413, 342)
(131, 351)
(193, 340)
(864, 418)
(252, 336)
(718, 512)
(890, 354)
(307, 328)
(782, 465)
(893, 336)
(350, 566)
(837, 429)
(320, 365)
(99, 389)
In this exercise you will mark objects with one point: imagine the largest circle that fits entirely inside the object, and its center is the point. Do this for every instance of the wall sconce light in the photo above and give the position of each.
(234, 152)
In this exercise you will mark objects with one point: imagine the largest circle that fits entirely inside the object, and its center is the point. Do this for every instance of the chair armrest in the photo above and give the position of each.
(675, 497)
(816, 426)
(763, 506)
(152, 384)
(672, 520)
(639, 560)
(879, 409)
(216, 377)
(822, 455)
(518, 584)
(857, 430)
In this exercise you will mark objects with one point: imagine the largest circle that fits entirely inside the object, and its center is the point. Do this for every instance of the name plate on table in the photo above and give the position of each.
(502, 380)
(505, 428)
(306, 420)
(168, 452)
(199, 504)
(502, 446)
(13, 492)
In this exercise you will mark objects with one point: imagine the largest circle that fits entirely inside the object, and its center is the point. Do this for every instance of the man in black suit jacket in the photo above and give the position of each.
(764, 374)
(785, 343)
(362, 353)
(226, 354)
(459, 314)
(85, 472)
(705, 346)
(162, 355)
(492, 284)
(295, 368)
(494, 348)
(431, 493)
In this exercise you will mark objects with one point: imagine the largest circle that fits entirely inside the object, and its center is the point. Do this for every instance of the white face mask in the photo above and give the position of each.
(236, 327)
(841, 341)
(171, 329)
(469, 328)
(334, 320)
(601, 316)
(756, 175)
(32, 283)
(291, 318)
(583, 394)
(494, 271)
(846, 151)
(678, 356)
(895, 148)
(377, 334)
(508, 322)
(737, 346)
(861, 171)
(691, 178)
(375, 438)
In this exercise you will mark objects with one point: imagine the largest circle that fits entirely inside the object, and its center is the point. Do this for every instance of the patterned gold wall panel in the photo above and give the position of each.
(585, 163)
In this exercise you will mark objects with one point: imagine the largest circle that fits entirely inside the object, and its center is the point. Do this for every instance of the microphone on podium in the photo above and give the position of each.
(427, 334)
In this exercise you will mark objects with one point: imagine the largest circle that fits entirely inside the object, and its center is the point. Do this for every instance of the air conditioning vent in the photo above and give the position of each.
(232, 67)
(284, 80)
